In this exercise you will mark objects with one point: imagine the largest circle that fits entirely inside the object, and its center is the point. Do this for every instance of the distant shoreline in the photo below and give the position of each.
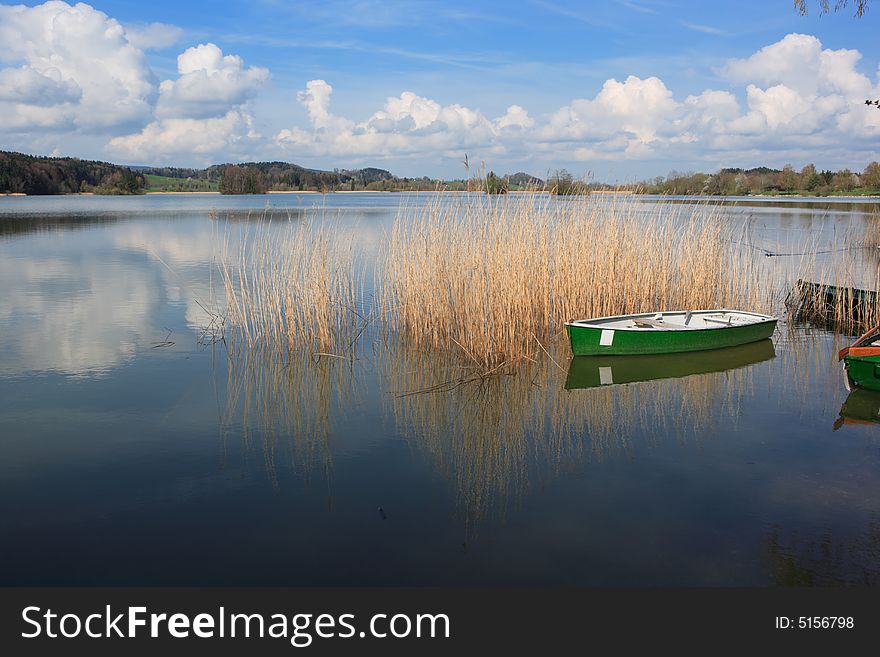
(145, 193)
(778, 197)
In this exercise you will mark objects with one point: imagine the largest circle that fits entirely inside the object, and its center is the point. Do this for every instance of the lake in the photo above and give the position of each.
(137, 449)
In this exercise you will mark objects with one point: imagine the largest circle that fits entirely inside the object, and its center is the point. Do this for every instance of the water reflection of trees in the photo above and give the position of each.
(17, 225)
(495, 437)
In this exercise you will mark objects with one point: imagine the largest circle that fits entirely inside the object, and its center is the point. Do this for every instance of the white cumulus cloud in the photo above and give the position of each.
(209, 84)
(635, 110)
(28, 86)
(73, 67)
(226, 136)
(515, 118)
(799, 62)
(202, 112)
(407, 125)
(787, 99)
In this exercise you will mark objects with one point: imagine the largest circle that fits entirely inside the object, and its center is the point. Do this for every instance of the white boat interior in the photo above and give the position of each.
(679, 320)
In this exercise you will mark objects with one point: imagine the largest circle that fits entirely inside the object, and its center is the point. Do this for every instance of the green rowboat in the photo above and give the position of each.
(596, 371)
(864, 372)
(667, 332)
(862, 361)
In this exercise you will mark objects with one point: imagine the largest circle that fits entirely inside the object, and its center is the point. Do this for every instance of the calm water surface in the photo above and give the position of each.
(134, 449)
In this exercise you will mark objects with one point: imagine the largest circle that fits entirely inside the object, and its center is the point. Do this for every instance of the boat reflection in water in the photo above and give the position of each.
(596, 371)
(861, 407)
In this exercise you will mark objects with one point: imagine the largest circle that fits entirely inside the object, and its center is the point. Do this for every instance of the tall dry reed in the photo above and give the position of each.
(293, 285)
(497, 276)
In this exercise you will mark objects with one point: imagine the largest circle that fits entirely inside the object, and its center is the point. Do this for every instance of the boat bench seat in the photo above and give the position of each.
(653, 323)
(718, 320)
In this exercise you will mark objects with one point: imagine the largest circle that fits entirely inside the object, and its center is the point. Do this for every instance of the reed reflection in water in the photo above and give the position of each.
(807, 356)
(496, 437)
(284, 405)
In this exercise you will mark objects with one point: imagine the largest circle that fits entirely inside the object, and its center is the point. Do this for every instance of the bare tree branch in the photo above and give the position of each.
(825, 6)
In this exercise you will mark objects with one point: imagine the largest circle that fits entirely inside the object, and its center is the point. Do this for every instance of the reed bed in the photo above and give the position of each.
(293, 286)
(496, 277)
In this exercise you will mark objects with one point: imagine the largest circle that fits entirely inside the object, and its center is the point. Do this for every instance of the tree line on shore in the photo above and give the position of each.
(35, 175)
(809, 181)
(38, 175)
(28, 174)
(261, 177)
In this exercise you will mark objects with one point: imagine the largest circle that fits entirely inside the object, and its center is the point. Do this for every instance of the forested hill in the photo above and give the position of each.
(37, 175)
(28, 174)
(259, 177)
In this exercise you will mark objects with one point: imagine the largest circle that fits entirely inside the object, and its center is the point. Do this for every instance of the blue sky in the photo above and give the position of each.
(623, 90)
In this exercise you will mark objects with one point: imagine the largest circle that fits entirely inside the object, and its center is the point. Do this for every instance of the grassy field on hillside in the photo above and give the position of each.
(166, 184)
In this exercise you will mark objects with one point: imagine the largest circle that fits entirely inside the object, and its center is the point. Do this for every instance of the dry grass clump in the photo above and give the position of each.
(495, 276)
(294, 286)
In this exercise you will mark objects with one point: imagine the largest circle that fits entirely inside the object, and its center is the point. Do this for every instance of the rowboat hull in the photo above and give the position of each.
(863, 372)
(608, 337)
(861, 360)
(597, 371)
